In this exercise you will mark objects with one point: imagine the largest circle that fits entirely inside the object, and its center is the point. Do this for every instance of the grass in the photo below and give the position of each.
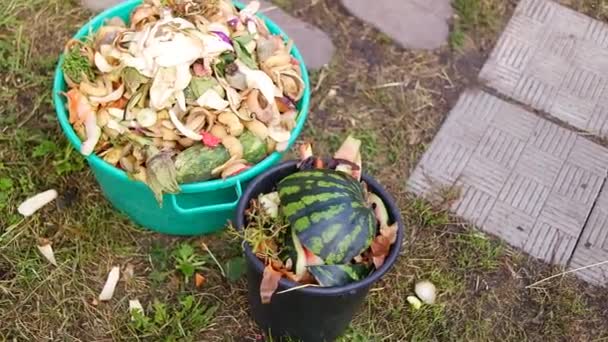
(393, 100)
(477, 21)
(595, 8)
(475, 251)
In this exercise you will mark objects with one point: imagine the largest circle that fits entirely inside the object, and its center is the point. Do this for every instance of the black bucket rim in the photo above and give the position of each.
(284, 283)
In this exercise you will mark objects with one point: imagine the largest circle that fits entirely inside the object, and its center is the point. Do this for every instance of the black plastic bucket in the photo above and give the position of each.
(310, 314)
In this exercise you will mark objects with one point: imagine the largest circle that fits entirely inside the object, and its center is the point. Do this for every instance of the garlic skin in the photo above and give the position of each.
(426, 291)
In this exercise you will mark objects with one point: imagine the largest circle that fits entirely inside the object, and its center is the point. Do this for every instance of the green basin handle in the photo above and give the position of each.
(209, 208)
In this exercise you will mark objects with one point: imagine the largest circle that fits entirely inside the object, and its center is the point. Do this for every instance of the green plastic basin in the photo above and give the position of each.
(200, 208)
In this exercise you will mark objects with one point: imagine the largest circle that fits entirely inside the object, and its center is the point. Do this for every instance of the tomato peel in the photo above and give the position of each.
(210, 140)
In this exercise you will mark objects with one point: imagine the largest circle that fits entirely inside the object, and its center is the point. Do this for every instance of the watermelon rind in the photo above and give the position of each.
(196, 163)
(338, 275)
(327, 211)
(379, 209)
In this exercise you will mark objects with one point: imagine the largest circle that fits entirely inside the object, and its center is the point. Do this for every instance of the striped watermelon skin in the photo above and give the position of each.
(328, 213)
(338, 275)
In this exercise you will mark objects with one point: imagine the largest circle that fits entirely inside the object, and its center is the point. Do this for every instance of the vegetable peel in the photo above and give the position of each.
(181, 74)
(269, 283)
(34, 203)
(47, 252)
(110, 285)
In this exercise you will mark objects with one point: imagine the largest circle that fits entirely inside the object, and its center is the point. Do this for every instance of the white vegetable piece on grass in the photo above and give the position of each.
(414, 302)
(32, 204)
(135, 305)
(426, 291)
(108, 289)
(47, 252)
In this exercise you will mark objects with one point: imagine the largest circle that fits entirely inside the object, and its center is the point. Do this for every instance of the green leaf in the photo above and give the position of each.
(3, 199)
(187, 269)
(159, 256)
(187, 303)
(227, 57)
(185, 251)
(244, 55)
(70, 162)
(141, 322)
(199, 85)
(160, 313)
(244, 39)
(219, 68)
(158, 277)
(235, 268)
(76, 65)
(133, 79)
(5, 183)
(46, 147)
(187, 261)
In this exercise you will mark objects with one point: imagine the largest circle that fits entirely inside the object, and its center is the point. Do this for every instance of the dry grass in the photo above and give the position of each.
(595, 8)
(394, 100)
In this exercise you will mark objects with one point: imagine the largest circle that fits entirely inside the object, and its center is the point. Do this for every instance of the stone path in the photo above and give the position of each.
(535, 184)
(555, 60)
(315, 45)
(521, 177)
(414, 24)
(593, 245)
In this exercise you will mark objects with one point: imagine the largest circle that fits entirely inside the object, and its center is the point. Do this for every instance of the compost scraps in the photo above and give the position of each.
(321, 227)
(186, 91)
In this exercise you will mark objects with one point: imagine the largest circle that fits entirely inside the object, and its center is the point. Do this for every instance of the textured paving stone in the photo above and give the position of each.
(522, 178)
(555, 60)
(415, 24)
(592, 247)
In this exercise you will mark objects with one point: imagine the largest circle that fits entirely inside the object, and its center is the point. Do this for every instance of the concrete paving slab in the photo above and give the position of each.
(555, 60)
(592, 247)
(521, 177)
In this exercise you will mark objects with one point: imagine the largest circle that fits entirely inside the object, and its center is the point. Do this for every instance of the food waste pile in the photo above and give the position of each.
(184, 92)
